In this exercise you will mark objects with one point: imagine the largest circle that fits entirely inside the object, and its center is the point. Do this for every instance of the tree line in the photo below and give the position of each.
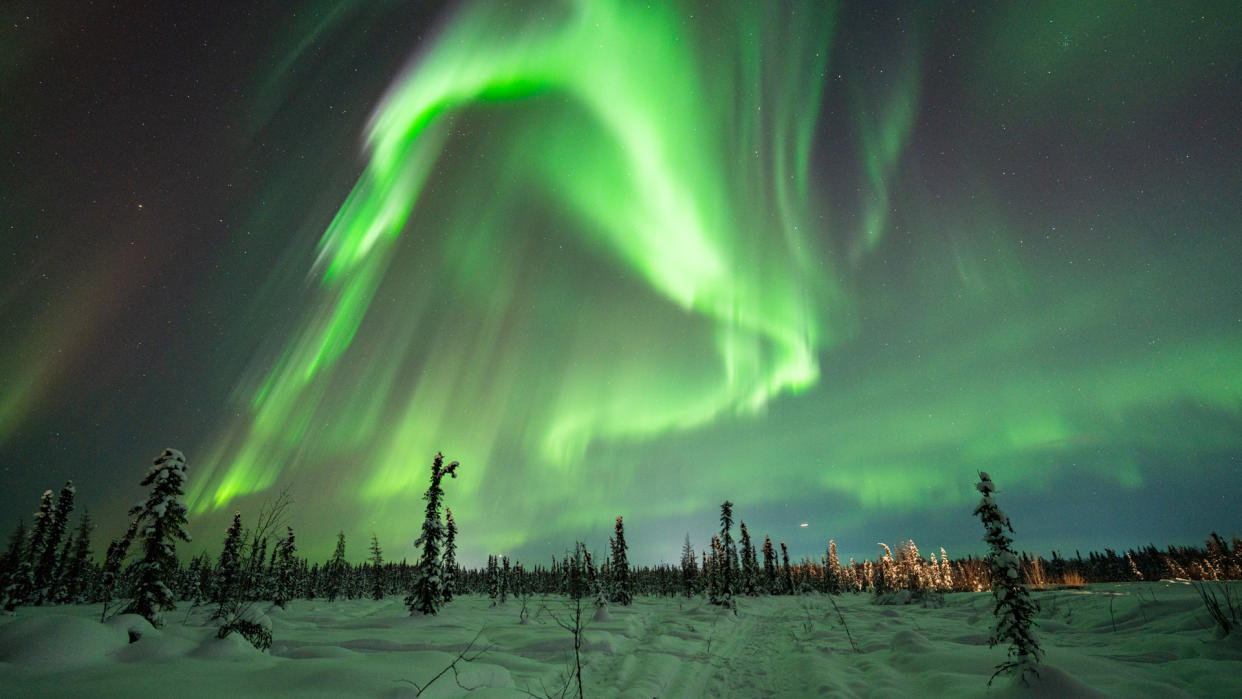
(46, 563)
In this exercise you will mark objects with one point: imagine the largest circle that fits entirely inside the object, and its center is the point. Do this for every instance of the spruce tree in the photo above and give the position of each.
(1015, 610)
(504, 579)
(312, 581)
(16, 573)
(428, 593)
(885, 572)
(226, 585)
(832, 571)
(191, 581)
(164, 517)
(284, 568)
(770, 581)
(254, 582)
(47, 568)
(787, 586)
(113, 560)
(750, 565)
(716, 593)
(622, 587)
(337, 569)
(946, 572)
(15, 550)
(728, 562)
(377, 571)
(578, 581)
(71, 587)
(493, 579)
(28, 582)
(689, 569)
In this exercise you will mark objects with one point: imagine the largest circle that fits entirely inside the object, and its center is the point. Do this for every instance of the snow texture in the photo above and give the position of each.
(789, 646)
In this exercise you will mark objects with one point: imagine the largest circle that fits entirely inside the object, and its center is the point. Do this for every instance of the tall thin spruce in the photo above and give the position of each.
(226, 583)
(47, 569)
(750, 565)
(338, 568)
(622, 587)
(428, 594)
(689, 569)
(377, 569)
(728, 559)
(1015, 610)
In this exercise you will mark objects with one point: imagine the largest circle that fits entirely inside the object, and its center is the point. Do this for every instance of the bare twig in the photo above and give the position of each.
(843, 624)
(461, 657)
(575, 626)
(1226, 617)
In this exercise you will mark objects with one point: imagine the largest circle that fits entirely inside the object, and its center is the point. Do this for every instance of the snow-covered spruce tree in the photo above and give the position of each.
(337, 569)
(428, 594)
(910, 570)
(284, 569)
(47, 569)
(449, 565)
(163, 515)
(833, 584)
(505, 581)
(226, 584)
(27, 583)
(787, 586)
(71, 588)
(493, 578)
(711, 572)
(254, 582)
(192, 580)
(689, 569)
(770, 582)
(749, 583)
(946, 572)
(728, 563)
(113, 560)
(622, 586)
(15, 550)
(594, 580)
(310, 584)
(1015, 610)
(16, 574)
(576, 580)
(377, 569)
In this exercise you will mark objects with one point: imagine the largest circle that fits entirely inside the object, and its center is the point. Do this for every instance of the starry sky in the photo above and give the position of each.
(827, 261)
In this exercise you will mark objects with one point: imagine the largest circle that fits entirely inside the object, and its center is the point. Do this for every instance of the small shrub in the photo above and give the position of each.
(1226, 617)
(258, 633)
(1073, 579)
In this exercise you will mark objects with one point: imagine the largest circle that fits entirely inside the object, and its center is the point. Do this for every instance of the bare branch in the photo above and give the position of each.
(463, 656)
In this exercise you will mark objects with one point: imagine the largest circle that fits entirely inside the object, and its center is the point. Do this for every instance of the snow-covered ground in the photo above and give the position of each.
(1129, 640)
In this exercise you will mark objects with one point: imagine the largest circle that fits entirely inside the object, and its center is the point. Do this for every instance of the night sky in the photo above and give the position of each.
(827, 262)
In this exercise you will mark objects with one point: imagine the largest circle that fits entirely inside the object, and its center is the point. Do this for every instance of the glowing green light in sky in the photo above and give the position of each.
(675, 156)
(586, 258)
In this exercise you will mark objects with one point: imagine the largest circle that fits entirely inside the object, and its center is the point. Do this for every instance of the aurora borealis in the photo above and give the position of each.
(826, 261)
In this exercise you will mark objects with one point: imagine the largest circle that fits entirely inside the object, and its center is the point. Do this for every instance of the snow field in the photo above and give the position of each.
(1126, 640)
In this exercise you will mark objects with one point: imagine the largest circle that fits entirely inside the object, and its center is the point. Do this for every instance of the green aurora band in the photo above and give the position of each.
(686, 181)
(587, 230)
